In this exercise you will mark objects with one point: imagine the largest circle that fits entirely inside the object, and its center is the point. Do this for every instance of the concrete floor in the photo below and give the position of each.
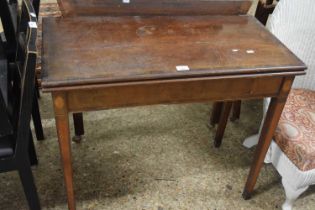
(154, 157)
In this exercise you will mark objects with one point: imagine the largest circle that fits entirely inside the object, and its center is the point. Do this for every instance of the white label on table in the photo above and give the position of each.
(32, 24)
(250, 51)
(182, 68)
(126, 1)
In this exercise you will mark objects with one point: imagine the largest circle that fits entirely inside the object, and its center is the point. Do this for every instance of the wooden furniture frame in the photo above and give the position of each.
(230, 58)
(21, 154)
(263, 10)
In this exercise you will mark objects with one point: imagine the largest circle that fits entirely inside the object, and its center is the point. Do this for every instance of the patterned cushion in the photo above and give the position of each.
(295, 133)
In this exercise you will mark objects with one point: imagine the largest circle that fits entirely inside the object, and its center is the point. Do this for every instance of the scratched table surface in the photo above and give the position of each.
(100, 50)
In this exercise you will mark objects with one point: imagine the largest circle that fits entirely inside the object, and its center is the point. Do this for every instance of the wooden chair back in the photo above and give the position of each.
(153, 7)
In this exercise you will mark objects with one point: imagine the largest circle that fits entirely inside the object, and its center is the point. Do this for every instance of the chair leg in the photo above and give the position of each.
(36, 5)
(37, 88)
(291, 194)
(222, 123)
(32, 151)
(264, 10)
(29, 187)
(78, 126)
(215, 114)
(37, 119)
(236, 110)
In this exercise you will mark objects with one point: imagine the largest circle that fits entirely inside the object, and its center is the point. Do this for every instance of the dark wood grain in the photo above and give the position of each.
(147, 48)
(172, 91)
(270, 124)
(131, 61)
(224, 116)
(215, 113)
(236, 111)
(263, 10)
(160, 7)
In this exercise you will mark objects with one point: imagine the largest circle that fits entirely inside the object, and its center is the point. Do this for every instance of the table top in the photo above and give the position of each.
(98, 50)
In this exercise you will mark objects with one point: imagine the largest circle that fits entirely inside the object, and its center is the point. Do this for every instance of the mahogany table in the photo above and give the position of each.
(95, 63)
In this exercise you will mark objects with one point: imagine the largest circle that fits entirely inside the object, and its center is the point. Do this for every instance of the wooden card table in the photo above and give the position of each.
(103, 62)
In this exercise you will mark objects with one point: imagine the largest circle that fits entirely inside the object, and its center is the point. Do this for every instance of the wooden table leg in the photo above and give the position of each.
(236, 110)
(224, 116)
(63, 131)
(270, 124)
(78, 127)
(216, 112)
(271, 121)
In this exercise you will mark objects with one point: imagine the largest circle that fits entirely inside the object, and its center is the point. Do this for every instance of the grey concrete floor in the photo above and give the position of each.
(153, 157)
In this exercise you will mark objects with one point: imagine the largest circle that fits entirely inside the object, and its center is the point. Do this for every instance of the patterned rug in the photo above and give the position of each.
(46, 10)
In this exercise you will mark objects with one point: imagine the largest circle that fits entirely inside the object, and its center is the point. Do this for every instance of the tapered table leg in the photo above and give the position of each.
(270, 124)
(236, 110)
(63, 131)
(216, 112)
(224, 116)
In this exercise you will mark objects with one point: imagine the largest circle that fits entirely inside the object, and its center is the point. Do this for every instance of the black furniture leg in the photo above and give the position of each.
(29, 187)
(32, 151)
(78, 127)
(36, 5)
(37, 119)
(37, 88)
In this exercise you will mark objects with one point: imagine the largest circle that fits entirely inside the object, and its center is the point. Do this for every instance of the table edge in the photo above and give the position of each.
(48, 87)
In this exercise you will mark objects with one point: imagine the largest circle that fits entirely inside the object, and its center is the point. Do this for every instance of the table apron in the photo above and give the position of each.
(172, 92)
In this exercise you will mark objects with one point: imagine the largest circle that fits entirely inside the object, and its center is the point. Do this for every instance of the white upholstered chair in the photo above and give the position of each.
(292, 152)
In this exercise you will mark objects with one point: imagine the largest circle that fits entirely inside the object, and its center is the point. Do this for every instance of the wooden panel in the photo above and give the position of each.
(177, 91)
(120, 49)
(154, 7)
